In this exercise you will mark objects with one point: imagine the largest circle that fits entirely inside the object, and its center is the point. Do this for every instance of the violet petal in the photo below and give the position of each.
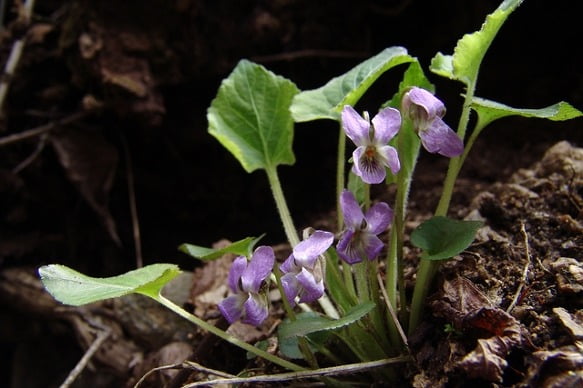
(311, 289)
(346, 248)
(432, 106)
(258, 268)
(353, 216)
(370, 169)
(441, 139)
(386, 125)
(308, 251)
(356, 128)
(390, 158)
(255, 310)
(290, 286)
(378, 218)
(289, 265)
(372, 245)
(232, 307)
(237, 269)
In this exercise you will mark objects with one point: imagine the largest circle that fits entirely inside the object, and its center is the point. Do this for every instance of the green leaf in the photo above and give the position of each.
(442, 237)
(289, 346)
(250, 117)
(239, 248)
(442, 65)
(335, 285)
(356, 186)
(489, 111)
(74, 288)
(327, 101)
(471, 48)
(313, 323)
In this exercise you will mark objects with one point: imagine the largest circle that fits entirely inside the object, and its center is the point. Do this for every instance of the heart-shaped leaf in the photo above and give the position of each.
(74, 288)
(250, 117)
(327, 101)
(442, 237)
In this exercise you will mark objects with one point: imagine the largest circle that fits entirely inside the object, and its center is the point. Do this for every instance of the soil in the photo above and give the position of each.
(118, 92)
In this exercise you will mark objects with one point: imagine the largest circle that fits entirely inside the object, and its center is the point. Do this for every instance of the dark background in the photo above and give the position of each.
(187, 187)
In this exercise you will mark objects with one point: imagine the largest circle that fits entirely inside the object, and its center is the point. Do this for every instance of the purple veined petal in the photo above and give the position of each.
(308, 251)
(255, 309)
(372, 245)
(311, 288)
(258, 268)
(291, 287)
(353, 216)
(439, 138)
(356, 128)
(378, 218)
(370, 169)
(431, 105)
(232, 307)
(386, 125)
(348, 249)
(289, 265)
(237, 269)
(390, 158)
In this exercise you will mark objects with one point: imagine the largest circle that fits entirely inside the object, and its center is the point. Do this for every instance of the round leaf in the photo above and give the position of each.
(442, 238)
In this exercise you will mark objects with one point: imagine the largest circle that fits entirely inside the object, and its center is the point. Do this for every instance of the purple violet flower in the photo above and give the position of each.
(426, 111)
(245, 280)
(360, 238)
(373, 153)
(304, 269)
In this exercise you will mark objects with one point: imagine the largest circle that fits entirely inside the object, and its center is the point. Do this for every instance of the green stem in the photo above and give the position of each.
(455, 163)
(288, 224)
(408, 147)
(224, 335)
(291, 232)
(340, 174)
(428, 268)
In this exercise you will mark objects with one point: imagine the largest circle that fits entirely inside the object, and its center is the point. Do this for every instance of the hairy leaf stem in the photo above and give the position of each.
(224, 335)
(428, 268)
(284, 214)
(291, 232)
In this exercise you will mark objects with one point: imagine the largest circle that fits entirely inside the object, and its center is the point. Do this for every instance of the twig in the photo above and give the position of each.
(43, 128)
(524, 271)
(392, 312)
(184, 365)
(331, 371)
(101, 337)
(15, 53)
(132, 202)
(39, 147)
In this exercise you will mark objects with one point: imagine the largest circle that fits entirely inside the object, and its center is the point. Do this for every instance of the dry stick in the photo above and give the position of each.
(101, 337)
(43, 128)
(524, 271)
(26, 162)
(331, 371)
(184, 365)
(15, 53)
(392, 311)
(132, 202)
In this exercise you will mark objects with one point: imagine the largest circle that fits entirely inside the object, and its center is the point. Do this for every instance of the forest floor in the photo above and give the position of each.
(106, 165)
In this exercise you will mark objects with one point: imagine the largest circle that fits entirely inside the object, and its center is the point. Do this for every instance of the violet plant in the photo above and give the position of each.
(363, 312)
